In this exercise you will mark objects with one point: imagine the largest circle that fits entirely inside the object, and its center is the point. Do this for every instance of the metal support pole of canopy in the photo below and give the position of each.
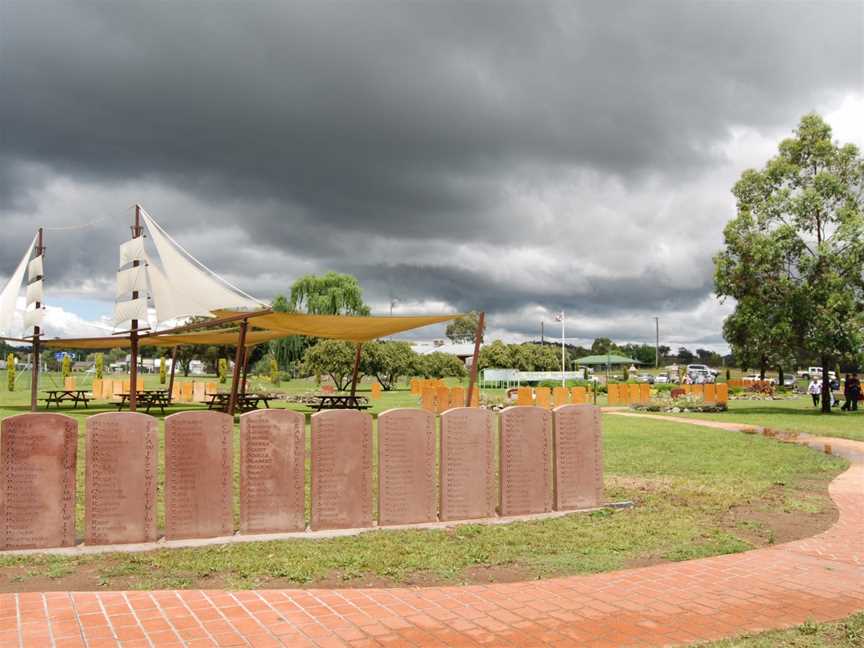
(171, 379)
(356, 369)
(238, 362)
(475, 359)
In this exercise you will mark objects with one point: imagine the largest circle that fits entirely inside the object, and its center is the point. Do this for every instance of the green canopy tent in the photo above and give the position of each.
(608, 360)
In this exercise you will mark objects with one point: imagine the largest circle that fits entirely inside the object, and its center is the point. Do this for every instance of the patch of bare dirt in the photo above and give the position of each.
(769, 522)
(18, 579)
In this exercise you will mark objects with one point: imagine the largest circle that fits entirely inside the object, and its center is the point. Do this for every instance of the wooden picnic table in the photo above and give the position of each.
(147, 399)
(245, 402)
(337, 401)
(57, 396)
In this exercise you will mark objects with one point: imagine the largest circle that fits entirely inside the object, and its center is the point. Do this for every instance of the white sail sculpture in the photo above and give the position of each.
(12, 289)
(178, 284)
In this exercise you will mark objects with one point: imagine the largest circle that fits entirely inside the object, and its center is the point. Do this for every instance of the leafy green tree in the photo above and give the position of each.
(760, 334)
(535, 357)
(495, 355)
(223, 370)
(463, 329)
(99, 361)
(797, 244)
(602, 346)
(329, 294)
(441, 365)
(334, 358)
(66, 366)
(389, 361)
(685, 356)
(163, 370)
(10, 371)
(644, 353)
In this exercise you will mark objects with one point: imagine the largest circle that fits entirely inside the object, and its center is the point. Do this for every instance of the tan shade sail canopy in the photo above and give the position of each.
(215, 338)
(340, 327)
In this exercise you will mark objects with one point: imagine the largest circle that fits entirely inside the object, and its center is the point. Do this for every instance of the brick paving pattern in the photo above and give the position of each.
(819, 578)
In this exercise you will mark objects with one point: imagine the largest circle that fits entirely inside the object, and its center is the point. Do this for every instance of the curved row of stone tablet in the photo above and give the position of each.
(546, 460)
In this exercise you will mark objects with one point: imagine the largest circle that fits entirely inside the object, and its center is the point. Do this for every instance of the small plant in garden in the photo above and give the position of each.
(10, 371)
(100, 365)
(163, 370)
(67, 366)
(223, 370)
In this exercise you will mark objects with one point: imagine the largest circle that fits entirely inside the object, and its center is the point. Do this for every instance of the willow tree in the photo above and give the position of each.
(329, 294)
(795, 250)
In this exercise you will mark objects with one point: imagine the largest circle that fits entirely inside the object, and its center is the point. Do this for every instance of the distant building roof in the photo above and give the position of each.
(461, 350)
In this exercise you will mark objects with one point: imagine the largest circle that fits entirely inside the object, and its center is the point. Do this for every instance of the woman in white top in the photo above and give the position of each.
(815, 389)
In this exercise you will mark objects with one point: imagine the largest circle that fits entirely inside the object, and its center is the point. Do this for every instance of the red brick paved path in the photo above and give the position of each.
(820, 578)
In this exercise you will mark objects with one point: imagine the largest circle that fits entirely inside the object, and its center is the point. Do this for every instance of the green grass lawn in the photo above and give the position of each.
(796, 415)
(698, 492)
(848, 633)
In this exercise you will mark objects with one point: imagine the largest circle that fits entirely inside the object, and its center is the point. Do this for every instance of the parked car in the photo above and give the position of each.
(645, 378)
(813, 372)
(661, 379)
(694, 368)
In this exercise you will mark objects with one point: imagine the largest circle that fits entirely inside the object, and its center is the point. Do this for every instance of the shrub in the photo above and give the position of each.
(10, 371)
(274, 371)
(100, 365)
(222, 368)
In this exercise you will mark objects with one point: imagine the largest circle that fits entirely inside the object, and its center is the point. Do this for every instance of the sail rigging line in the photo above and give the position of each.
(152, 222)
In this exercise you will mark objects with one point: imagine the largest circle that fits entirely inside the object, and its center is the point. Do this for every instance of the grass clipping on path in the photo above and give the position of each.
(685, 481)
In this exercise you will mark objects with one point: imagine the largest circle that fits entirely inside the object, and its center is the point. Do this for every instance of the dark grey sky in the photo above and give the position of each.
(519, 157)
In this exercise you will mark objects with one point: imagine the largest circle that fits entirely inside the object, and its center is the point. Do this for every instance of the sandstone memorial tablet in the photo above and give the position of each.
(467, 464)
(38, 454)
(578, 457)
(120, 478)
(198, 475)
(406, 467)
(272, 471)
(341, 470)
(525, 459)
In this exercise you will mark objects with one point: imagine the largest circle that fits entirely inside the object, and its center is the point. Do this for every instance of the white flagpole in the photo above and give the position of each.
(563, 366)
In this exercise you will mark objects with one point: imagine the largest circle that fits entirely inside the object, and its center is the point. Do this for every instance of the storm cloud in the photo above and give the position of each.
(517, 157)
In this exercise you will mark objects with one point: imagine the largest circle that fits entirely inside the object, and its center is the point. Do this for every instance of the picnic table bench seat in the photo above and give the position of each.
(58, 396)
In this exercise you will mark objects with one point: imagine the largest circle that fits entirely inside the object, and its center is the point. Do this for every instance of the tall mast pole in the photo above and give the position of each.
(657, 343)
(34, 382)
(133, 333)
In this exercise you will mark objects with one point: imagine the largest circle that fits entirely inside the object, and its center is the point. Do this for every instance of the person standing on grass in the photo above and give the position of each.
(847, 384)
(815, 390)
(854, 392)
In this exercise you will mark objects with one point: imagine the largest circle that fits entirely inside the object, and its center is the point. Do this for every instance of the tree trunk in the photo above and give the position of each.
(826, 387)
(780, 376)
(762, 363)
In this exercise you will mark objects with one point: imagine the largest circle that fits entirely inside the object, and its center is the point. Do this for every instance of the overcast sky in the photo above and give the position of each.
(516, 157)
